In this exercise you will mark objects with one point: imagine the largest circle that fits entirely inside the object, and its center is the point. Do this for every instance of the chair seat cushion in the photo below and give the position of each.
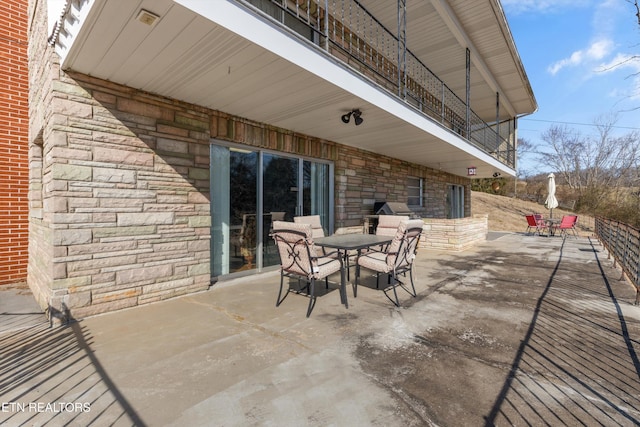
(326, 266)
(376, 261)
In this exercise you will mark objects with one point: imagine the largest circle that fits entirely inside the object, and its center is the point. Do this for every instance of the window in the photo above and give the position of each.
(414, 191)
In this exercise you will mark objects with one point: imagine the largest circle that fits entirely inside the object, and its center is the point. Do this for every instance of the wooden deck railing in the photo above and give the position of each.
(622, 241)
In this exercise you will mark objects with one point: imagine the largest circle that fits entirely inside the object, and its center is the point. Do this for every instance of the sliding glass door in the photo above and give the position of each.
(279, 198)
(252, 188)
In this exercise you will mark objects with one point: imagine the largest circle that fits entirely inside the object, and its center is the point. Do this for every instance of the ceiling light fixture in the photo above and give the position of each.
(147, 17)
(356, 117)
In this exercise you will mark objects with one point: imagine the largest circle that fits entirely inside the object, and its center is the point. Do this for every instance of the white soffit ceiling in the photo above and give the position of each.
(186, 56)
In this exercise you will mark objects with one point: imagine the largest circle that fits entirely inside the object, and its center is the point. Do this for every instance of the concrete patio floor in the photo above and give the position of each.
(521, 330)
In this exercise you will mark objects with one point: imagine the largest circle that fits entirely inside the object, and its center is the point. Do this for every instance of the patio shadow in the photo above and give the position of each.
(572, 368)
(50, 376)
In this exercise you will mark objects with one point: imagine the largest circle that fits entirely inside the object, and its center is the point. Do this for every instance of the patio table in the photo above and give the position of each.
(552, 223)
(351, 242)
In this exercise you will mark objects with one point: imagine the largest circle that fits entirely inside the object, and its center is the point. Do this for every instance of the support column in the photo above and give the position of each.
(402, 49)
(498, 124)
(468, 91)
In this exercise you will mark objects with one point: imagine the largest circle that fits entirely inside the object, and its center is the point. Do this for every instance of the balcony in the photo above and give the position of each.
(347, 31)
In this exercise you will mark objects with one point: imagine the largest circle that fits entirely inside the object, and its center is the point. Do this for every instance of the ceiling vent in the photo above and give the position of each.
(147, 17)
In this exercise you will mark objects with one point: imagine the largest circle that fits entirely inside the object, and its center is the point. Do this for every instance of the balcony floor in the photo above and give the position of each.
(519, 330)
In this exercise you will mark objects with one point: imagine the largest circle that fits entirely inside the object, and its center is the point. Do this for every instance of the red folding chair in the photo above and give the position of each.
(567, 223)
(535, 225)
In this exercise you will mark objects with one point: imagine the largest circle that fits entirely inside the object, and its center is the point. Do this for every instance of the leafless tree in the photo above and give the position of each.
(635, 4)
(595, 167)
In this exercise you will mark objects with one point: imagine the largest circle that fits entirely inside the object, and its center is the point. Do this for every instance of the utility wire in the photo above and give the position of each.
(577, 124)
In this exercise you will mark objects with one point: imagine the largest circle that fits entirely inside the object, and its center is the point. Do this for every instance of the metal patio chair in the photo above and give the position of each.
(388, 225)
(299, 259)
(397, 259)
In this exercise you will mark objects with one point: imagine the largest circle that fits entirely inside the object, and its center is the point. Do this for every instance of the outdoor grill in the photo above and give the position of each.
(386, 208)
(392, 208)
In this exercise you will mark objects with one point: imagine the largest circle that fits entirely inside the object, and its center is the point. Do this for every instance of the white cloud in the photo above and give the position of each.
(587, 57)
(517, 7)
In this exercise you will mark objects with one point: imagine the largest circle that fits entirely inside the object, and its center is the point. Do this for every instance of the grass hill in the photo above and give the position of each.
(507, 214)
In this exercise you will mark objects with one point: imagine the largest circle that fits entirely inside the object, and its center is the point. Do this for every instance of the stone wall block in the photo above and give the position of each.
(201, 124)
(200, 221)
(115, 295)
(139, 108)
(170, 129)
(199, 245)
(199, 174)
(144, 274)
(74, 109)
(198, 197)
(70, 89)
(119, 193)
(102, 247)
(122, 157)
(67, 172)
(72, 237)
(145, 218)
(169, 286)
(77, 299)
(72, 282)
(199, 269)
(114, 175)
(72, 218)
(69, 153)
(172, 145)
(131, 232)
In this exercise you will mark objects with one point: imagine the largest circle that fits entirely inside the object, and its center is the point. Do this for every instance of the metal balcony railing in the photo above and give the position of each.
(347, 31)
(622, 241)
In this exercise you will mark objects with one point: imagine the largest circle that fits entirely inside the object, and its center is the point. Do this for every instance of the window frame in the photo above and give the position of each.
(420, 187)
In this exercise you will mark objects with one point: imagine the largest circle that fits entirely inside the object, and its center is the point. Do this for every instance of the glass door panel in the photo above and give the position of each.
(234, 200)
(455, 202)
(315, 191)
(279, 198)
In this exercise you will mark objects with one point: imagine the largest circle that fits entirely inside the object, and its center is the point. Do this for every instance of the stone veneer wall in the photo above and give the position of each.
(40, 263)
(363, 178)
(119, 186)
(454, 234)
(119, 190)
(126, 215)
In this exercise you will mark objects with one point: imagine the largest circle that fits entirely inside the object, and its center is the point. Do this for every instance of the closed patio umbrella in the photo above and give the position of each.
(551, 201)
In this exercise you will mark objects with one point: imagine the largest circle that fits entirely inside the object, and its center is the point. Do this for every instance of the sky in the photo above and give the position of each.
(576, 54)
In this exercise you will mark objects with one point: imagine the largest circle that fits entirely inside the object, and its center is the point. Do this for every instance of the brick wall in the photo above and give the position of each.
(14, 171)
